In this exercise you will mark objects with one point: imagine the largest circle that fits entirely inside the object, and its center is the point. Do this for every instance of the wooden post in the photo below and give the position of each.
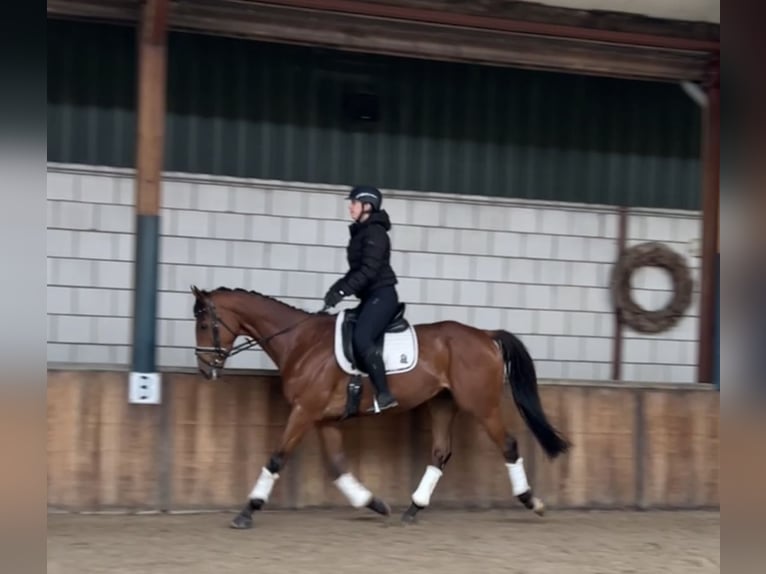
(622, 243)
(710, 215)
(149, 153)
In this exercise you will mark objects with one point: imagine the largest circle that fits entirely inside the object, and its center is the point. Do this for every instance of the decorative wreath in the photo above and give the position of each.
(651, 254)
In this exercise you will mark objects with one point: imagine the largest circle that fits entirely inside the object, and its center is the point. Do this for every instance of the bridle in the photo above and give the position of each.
(221, 353)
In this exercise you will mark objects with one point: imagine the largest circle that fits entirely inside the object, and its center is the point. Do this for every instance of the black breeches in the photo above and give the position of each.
(375, 313)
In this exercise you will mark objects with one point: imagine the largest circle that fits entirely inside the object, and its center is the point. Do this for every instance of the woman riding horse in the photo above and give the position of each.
(371, 279)
(459, 368)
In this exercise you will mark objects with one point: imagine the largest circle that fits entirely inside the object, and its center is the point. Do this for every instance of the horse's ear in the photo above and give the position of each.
(196, 292)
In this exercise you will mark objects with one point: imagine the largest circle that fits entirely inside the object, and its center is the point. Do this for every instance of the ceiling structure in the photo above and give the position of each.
(495, 32)
(689, 10)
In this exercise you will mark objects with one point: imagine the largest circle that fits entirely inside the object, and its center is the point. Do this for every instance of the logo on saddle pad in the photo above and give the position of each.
(399, 344)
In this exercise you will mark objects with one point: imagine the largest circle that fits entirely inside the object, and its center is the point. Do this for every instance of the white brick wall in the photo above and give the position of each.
(541, 271)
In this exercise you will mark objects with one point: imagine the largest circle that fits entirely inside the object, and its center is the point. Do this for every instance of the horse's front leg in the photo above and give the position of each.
(298, 423)
(331, 441)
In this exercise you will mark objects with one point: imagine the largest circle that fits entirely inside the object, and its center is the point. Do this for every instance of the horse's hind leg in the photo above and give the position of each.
(331, 441)
(442, 409)
(508, 445)
(298, 423)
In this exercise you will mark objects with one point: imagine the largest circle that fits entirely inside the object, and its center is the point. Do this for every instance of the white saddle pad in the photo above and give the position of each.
(400, 350)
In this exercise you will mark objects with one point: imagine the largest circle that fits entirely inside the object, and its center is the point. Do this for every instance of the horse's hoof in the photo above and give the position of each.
(538, 507)
(408, 518)
(241, 522)
(410, 515)
(377, 505)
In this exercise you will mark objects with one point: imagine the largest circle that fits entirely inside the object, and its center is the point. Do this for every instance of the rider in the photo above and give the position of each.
(372, 280)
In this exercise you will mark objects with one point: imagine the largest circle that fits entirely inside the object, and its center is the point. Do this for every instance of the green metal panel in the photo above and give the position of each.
(91, 94)
(275, 111)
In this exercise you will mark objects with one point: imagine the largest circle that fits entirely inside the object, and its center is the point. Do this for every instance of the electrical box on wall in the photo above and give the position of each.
(145, 388)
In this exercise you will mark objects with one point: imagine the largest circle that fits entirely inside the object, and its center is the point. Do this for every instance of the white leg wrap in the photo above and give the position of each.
(422, 496)
(518, 477)
(263, 486)
(354, 490)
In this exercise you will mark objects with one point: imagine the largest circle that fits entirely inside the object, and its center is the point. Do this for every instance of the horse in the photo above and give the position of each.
(451, 367)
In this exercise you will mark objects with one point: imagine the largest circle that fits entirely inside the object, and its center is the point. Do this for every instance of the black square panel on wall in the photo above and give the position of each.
(360, 107)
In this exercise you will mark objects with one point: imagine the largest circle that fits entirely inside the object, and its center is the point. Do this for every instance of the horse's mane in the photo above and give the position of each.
(198, 304)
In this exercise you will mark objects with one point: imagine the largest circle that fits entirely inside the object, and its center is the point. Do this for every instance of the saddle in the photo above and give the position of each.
(398, 324)
(397, 344)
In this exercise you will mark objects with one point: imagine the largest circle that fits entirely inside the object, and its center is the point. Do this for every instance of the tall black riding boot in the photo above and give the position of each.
(373, 362)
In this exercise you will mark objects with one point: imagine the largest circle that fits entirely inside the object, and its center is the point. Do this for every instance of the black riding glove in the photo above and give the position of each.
(334, 296)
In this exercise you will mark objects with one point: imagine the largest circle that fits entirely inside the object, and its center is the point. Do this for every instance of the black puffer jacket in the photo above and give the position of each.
(369, 256)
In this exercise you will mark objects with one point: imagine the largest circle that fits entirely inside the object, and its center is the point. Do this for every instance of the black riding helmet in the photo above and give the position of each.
(367, 194)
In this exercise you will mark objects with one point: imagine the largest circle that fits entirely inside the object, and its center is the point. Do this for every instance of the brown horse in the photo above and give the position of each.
(458, 367)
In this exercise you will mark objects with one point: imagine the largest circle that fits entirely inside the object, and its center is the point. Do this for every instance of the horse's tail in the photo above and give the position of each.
(522, 378)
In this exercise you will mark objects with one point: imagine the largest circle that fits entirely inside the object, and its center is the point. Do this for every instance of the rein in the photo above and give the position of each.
(221, 354)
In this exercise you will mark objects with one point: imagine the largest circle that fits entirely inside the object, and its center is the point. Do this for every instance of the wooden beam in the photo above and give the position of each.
(149, 154)
(443, 18)
(710, 224)
(580, 43)
(519, 14)
(622, 242)
(407, 39)
(151, 105)
(155, 21)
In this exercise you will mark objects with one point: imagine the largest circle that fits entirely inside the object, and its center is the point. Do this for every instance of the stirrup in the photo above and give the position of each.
(376, 406)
